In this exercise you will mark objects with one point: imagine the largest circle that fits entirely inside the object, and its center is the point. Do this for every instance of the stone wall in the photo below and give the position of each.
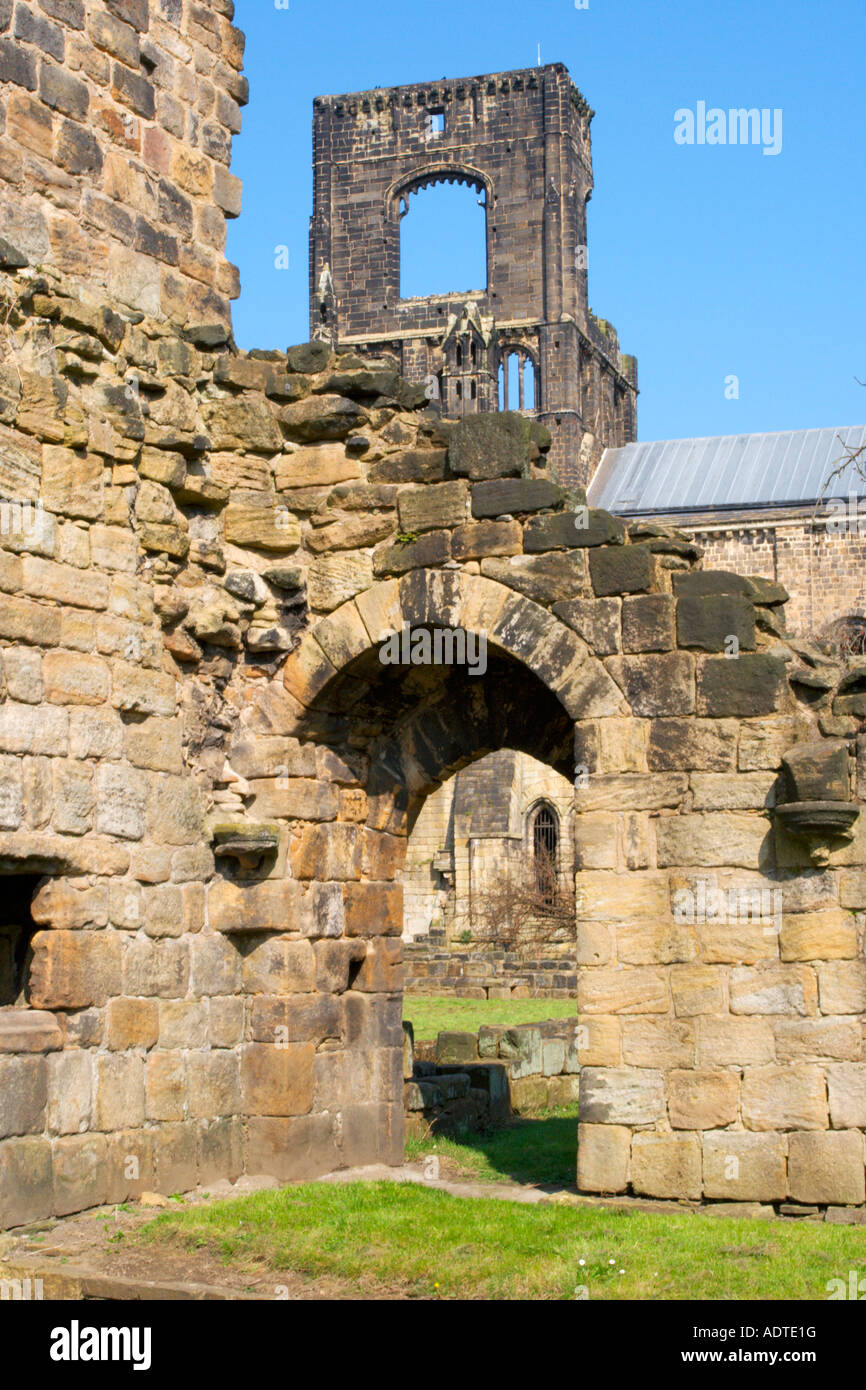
(115, 142)
(822, 568)
(208, 772)
(435, 967)
(474, 831)
(475, 1081)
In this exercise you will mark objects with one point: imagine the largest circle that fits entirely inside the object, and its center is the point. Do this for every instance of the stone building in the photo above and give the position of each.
(522, 140)
(494, 820)
(207, 773)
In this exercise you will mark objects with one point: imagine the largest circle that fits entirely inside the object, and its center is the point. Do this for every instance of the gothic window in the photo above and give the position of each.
(545, 847)
(517, 383)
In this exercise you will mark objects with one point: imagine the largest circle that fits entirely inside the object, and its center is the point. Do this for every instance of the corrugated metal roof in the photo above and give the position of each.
(731, 470)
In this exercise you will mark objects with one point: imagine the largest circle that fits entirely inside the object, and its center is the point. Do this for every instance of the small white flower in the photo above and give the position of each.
(611, 1262)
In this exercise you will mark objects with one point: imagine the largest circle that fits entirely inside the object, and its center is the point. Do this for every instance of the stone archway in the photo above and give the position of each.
(382, 738)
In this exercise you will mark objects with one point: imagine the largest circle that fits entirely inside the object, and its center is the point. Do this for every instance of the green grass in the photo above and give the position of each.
(540, 1150)
(417, 1241)
(431, 1014)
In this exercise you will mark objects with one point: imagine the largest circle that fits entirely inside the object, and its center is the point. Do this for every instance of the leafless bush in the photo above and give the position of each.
(527, 908)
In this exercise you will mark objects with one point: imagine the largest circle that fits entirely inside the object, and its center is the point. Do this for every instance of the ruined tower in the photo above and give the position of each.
(522, 139)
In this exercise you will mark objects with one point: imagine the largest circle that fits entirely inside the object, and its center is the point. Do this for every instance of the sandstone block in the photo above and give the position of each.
(73, 969)
(277, 1080)
(703, 1099)
(725, 1042)
(846, 1091)
(166, 1086)
(826, 1168)
(658, 1042)
(656, 685)
(666, 1165)
(70, 1092)
(698, 989)
(119, 1099)
(23, 1095)
(603, 1157)
(828, 935)
(629, 991)
(291, 1149)
(213, 1084)
(769, 988)
(745, 1167)
(788, 1097)
(621, 1096)
(278, 966)
(842, 987)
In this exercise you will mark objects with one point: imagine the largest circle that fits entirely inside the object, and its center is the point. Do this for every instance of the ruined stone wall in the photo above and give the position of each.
(208, 772)
(115, 140)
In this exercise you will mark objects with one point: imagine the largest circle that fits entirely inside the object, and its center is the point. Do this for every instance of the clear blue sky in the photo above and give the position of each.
(710, 260)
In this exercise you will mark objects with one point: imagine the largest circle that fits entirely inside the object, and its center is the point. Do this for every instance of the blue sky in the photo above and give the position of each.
(711, 261)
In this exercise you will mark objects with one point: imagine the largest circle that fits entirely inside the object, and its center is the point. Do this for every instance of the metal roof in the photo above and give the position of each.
(728, 471)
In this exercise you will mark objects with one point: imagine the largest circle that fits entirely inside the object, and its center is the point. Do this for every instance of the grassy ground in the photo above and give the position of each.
(538, 1150)
(391, 1238)
(431, 1014)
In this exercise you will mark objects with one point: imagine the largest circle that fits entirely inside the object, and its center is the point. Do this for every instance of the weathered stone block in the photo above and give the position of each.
(291, 1150)
(621, 1095)
(788, 1097)
(132, 1023)
(658, 1042)
(842, 987)
(568, 530)
(119, 1098)
(603, 1157)
(846, 1091)
(26, 1187)
(648, 623)
(703, 1099)
(514, 496)
(433, 507)
(698, 989)
(716, 623)
(818, 936)
(745, 1167)
(656, 684)
(769, 988)
(213, 1085)
(631, 991)
(276, 966)
(746, 686)
(826, 1168)
(73, 969)
(628, 569)
(725, 1042)
(277, 1079)
(666, 1165)
(23, 1095)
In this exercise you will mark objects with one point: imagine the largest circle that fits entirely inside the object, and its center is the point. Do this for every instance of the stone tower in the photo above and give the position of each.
(521, 139)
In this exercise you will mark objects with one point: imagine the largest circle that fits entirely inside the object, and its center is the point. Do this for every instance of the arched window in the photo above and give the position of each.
(443, 237)
(517, 384)
(545, 848)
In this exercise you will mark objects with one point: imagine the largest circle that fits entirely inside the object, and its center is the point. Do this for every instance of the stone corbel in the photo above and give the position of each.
(816, 805)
